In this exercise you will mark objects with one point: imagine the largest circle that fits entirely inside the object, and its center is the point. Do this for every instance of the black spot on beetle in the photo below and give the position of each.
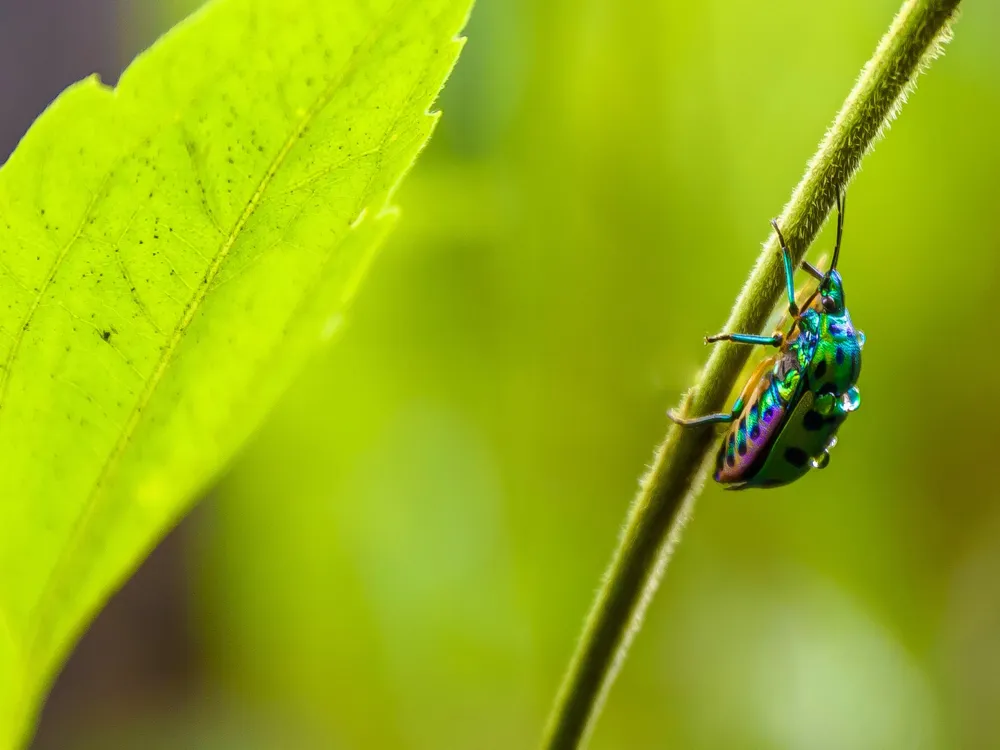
(730, 460)
(755, 432)
(813, 420)
(840, 355)
(796, 457)
(820, 370)
(828, 388)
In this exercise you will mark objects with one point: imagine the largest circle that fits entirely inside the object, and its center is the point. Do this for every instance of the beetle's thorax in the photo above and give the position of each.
(836, 358)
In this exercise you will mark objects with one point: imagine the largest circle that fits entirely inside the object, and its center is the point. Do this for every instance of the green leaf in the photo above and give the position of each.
(170, 253)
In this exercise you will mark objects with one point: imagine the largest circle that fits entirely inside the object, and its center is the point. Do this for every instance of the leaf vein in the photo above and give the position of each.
(194, 304)
(23, 327)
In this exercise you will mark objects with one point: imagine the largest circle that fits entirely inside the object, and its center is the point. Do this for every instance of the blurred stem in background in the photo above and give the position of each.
(667, 492)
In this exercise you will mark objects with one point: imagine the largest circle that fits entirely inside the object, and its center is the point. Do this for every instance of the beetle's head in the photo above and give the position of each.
(831, 293)
(831, 288)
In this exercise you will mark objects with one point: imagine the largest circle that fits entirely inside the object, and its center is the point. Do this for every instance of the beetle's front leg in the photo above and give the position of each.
(786, 259)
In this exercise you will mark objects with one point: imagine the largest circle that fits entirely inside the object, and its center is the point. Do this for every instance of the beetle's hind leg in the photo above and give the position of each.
(721, 417)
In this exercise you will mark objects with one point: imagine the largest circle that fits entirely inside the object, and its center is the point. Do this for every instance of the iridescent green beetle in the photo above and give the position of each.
(786, 419)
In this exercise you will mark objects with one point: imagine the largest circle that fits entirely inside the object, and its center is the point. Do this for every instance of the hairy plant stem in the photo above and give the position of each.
(680, 466)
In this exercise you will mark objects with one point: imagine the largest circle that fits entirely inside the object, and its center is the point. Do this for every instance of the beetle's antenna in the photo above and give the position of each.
(841, 205)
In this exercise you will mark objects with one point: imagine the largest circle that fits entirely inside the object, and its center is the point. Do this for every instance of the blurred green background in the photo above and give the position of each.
(403, 556)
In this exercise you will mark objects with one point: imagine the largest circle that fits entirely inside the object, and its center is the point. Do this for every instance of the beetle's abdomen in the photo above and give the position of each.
(807, 434)
(809, 417)
(745, 445)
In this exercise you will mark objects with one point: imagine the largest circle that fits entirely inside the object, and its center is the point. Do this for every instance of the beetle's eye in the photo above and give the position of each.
(829, 304)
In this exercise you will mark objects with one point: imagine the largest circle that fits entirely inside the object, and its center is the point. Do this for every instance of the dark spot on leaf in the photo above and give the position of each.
(106, 335)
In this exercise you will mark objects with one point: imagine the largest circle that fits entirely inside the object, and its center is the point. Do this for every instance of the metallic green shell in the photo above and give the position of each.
(822, 363)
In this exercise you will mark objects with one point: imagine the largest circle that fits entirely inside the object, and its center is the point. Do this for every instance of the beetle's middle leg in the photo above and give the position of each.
(777, 339)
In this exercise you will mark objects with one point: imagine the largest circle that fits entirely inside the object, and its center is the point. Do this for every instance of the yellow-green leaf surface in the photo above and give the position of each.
(170, 251)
